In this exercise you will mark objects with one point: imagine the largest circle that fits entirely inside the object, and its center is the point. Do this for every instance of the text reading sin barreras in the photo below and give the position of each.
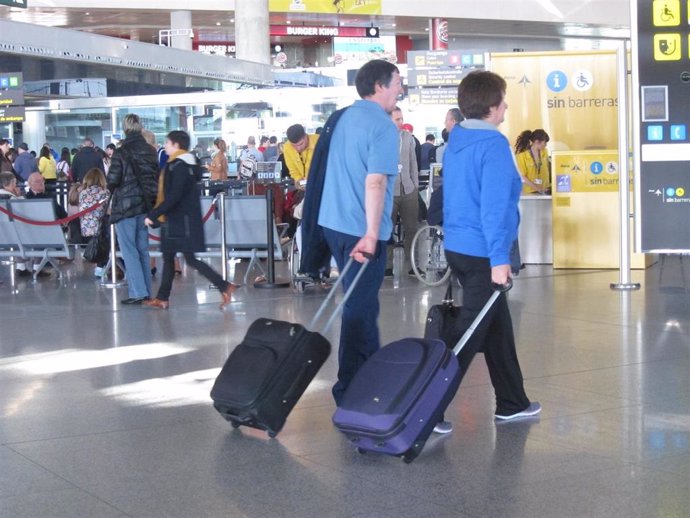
(576, 102)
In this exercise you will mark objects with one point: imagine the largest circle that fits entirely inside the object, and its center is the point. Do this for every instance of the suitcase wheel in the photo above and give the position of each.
(272, 434)
(235, 424)
(407, 459)
(361, 451)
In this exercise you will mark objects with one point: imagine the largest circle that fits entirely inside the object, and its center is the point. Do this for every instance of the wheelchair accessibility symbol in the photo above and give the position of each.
(612, 167)
(582, 80)
(666, 13)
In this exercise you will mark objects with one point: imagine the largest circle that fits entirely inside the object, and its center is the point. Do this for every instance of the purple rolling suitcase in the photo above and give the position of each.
(400, 393)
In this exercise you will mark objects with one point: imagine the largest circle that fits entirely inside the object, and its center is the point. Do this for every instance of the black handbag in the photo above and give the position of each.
(443, 320)
(98, 247)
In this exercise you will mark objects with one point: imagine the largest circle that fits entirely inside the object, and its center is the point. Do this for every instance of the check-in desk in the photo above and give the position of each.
(535, 233)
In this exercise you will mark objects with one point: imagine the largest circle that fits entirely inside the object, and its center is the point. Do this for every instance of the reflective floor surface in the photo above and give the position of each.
(105, 409)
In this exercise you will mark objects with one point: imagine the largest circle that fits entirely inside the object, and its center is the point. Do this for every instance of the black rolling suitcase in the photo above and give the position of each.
(266, 374)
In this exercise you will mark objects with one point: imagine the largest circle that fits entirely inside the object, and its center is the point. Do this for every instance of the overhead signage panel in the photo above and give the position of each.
(661, 73)
(316, 31)
(445, 58)
(353, 7)
(12, 114)
(436, 77)
(14, 3)
(444, 96)
(11, 97)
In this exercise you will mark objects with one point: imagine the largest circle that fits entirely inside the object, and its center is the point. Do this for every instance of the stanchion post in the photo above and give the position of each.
(114, 283)
(223, 238)
(625, 281)
(270, 259)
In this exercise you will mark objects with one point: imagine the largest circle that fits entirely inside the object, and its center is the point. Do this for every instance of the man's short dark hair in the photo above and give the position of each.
(456, 115)
(179, 137)
(295, 133)
(479, 92)
(376, 71)
(273, 140)
(430, 137)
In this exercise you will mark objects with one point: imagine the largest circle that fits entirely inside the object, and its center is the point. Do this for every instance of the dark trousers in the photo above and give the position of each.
(169, 273)
(359, 332)
(494, 336)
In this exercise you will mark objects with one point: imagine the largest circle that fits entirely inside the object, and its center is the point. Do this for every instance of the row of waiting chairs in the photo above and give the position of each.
(24, 240)
(246, 232)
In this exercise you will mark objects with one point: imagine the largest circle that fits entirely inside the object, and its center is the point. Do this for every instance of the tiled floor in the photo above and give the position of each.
(104, 409)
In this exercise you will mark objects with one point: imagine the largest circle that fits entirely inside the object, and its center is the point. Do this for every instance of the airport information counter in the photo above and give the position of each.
(536, 243)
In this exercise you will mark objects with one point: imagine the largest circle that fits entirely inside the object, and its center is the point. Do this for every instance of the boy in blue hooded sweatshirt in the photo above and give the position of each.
(480, 221)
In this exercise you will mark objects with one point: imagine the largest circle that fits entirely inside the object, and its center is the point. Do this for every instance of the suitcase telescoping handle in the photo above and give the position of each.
(332, 293)
(498, 289)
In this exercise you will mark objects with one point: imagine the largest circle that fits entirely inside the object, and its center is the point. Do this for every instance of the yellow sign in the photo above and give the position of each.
(666, 13)
(585, 171)
(326, 6)
(573, 96)
(667, 47)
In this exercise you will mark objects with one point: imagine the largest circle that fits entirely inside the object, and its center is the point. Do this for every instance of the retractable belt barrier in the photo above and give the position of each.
(206, 217)
(62, 221)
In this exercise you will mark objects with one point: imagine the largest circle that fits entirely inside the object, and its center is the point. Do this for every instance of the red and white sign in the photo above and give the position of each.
(312, 30)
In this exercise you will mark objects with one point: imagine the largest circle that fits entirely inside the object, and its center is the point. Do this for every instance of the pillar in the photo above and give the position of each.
(438, 34)
(252, 39)
(180, 21)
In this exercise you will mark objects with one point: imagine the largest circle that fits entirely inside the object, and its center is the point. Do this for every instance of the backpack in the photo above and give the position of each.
(62, 171)
(248, 167)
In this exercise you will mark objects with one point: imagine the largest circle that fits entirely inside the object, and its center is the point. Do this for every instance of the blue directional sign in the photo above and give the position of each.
(679, 132)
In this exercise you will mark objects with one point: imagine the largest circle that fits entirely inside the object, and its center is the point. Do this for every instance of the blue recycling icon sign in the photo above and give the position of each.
(557, 81)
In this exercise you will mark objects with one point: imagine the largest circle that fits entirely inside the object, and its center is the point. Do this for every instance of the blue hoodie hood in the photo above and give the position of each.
(481, 190)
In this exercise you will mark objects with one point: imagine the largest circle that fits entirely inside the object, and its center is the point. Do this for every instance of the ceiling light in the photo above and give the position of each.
(288, 22)
(217, 24)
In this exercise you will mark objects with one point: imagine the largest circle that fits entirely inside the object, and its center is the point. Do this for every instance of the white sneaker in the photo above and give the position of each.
(443, 427)
(532, 410)
(334, 274)
(98, 271)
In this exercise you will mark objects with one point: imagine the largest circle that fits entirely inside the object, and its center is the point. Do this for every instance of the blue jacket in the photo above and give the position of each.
(481, 187)
(314, 246)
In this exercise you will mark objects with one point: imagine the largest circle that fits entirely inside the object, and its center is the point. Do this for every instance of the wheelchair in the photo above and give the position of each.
(428, 256)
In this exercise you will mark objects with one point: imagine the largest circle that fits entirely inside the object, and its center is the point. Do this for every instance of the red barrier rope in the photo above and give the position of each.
(62, 221)
(206, 217)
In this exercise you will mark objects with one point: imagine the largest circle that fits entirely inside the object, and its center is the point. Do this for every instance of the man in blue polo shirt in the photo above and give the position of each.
(356, 206)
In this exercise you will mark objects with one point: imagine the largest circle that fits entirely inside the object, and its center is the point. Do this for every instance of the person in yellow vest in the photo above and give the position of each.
(533, 161)
(298, 152)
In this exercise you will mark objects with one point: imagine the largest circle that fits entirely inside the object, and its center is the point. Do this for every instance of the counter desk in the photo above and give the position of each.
(535, 233)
